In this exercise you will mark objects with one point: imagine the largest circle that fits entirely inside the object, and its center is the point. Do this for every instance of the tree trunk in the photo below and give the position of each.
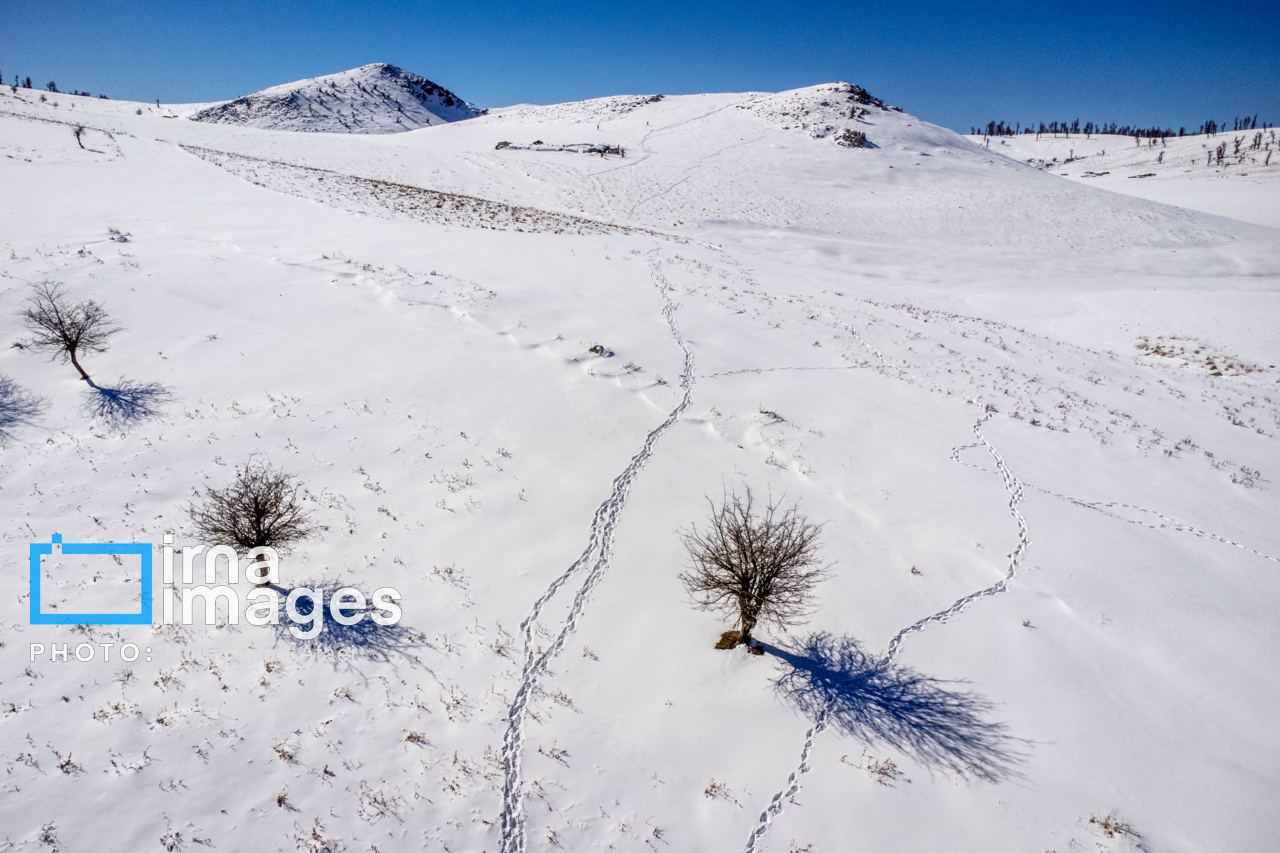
(748, 621)
(76, 363)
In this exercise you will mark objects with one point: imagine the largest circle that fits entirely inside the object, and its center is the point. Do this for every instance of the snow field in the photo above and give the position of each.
(1013, 384)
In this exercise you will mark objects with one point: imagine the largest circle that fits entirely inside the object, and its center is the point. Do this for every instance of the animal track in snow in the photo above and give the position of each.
(1166, 523)
(596, 560)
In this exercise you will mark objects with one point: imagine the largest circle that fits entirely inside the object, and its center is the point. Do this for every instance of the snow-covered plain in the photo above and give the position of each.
(1038, 418)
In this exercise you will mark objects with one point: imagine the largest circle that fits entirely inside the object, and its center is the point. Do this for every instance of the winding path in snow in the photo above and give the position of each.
(595, 561)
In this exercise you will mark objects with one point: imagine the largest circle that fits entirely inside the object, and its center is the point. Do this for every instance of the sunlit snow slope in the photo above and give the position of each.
(1038, 419)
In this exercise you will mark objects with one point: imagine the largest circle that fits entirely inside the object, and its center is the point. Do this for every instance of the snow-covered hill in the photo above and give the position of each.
(376, 98)
(1039, 420)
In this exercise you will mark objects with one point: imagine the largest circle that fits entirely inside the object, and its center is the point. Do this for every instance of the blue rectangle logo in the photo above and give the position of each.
(141, 549)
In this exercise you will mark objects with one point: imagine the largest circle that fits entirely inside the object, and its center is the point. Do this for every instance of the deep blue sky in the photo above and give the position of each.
(955, 64)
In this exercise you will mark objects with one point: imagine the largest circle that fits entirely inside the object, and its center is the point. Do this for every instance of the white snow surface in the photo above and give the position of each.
(1037, 418)
(376, 98)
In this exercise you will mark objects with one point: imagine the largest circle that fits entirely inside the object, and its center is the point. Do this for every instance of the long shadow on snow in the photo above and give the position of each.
(127, 403)
(875, 701)
(365, 640)
(18, 407)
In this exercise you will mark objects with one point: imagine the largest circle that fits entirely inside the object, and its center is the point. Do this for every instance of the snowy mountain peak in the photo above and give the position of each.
(377, 98)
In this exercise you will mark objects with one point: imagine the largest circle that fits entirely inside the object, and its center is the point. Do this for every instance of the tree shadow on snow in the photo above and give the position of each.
(18, 407)
(346, 645)
(875, 701)
(127, 403)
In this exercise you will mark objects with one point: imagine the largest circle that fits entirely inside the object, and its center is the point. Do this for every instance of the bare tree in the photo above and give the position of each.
(79, 133)
(66, 329)
(763, 566)
(259, 508)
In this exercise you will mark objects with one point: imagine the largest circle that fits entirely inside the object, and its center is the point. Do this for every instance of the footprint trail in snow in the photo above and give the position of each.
(594, 560)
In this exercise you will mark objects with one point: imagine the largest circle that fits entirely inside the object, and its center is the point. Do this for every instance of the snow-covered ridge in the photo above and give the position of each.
(362, 195)
(577, 112)
(376, 98)
(821, 111)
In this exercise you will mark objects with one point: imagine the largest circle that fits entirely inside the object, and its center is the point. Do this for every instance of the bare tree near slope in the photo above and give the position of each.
(763, 566)
(66, 329)
(260, 508)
